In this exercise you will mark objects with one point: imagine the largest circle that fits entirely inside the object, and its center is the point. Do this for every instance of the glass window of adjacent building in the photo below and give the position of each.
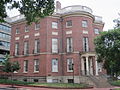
(54, 45)
(96, 31)
(54, 65)
(25, 66)
(37, 26)
(85, 44)
(36, 65)
(17, 31)
(84, 23)
(37, 46)
(69, 23)
(69, 65)
(54, 25)
(69, 44)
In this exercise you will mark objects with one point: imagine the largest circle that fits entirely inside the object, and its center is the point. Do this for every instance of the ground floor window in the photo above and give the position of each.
(54, 65)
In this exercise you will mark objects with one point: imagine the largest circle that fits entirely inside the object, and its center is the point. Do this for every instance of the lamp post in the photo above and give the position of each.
(73, 72)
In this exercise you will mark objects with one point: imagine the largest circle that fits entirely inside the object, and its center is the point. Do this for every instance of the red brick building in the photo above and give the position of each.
(58, 48)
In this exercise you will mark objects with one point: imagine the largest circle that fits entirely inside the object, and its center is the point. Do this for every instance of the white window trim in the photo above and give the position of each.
(68, 44)
(35, 65)
(84, 25)
(53, 46)
(24, 67)
(36, 26)
(54, 25)
(54, 66)
(67, 25)
(98, 32)
(87, 47)
(26, 27)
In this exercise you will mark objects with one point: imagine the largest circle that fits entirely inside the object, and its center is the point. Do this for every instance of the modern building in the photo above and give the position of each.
(5, 36)
(59, 48)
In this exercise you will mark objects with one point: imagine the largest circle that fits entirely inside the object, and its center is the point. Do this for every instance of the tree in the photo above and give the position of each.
(10, 67)
(107, 47)
(32, 9)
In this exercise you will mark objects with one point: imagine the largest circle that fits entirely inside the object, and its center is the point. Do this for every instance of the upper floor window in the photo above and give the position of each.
(85, 44)
(54, 65)
(17, 31)
(37, 26)
(16, 48)
(25, 65)
(69, 44)
(69, 23)
(96, 31)
(26, 28)
(36, 65)
(54, 45)
(84, 23)
(26, 48)
(70, 65)
(37, 46)
(55, 25)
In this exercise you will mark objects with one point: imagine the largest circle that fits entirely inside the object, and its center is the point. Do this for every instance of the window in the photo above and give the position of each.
(26, 48)
(37, 46)
(54, 45)
(26, 28)
(69, 44)
(37, 26)
(54, 65)
(85, 44)
(36, 65)
(54, 25)
(70, 65)
(69, 23)
(16, 48)
(26, 66)
(96, 30)
(84, 23)
(17, 31)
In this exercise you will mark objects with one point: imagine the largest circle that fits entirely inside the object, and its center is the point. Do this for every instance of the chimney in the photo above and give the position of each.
(58, 6)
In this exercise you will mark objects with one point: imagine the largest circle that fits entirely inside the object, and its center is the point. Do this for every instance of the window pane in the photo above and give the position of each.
(69, 23)
(26, 66)
(54, 25)
(96, 31)
(55, 65)
(36, 65)
(54, 45)
(70, 65)
(85, 44)
(69, 44)
(84, 23)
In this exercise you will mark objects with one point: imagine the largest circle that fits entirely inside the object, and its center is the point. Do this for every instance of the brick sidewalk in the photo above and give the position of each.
(35, 88)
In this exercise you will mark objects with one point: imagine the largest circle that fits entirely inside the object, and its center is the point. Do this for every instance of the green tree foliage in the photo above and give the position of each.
(107, 47)
(10, 67)
(32, 9)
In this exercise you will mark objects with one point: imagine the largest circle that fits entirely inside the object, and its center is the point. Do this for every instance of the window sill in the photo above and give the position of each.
(25, 72)
(36, 72)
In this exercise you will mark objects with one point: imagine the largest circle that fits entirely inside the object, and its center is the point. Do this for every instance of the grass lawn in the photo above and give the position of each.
(62, 85)
(116, 83)
(117, 89)
(57, 85)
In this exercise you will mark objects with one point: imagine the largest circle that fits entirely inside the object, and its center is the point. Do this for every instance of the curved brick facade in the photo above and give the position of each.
(45, 33)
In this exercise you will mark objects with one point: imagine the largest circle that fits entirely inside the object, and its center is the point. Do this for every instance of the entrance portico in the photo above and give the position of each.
(89, 64)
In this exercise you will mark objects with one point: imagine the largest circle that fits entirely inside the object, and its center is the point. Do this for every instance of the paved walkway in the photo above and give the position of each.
(7, 87)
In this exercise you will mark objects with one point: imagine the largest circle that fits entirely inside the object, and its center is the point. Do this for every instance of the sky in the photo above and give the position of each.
(108, 9)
